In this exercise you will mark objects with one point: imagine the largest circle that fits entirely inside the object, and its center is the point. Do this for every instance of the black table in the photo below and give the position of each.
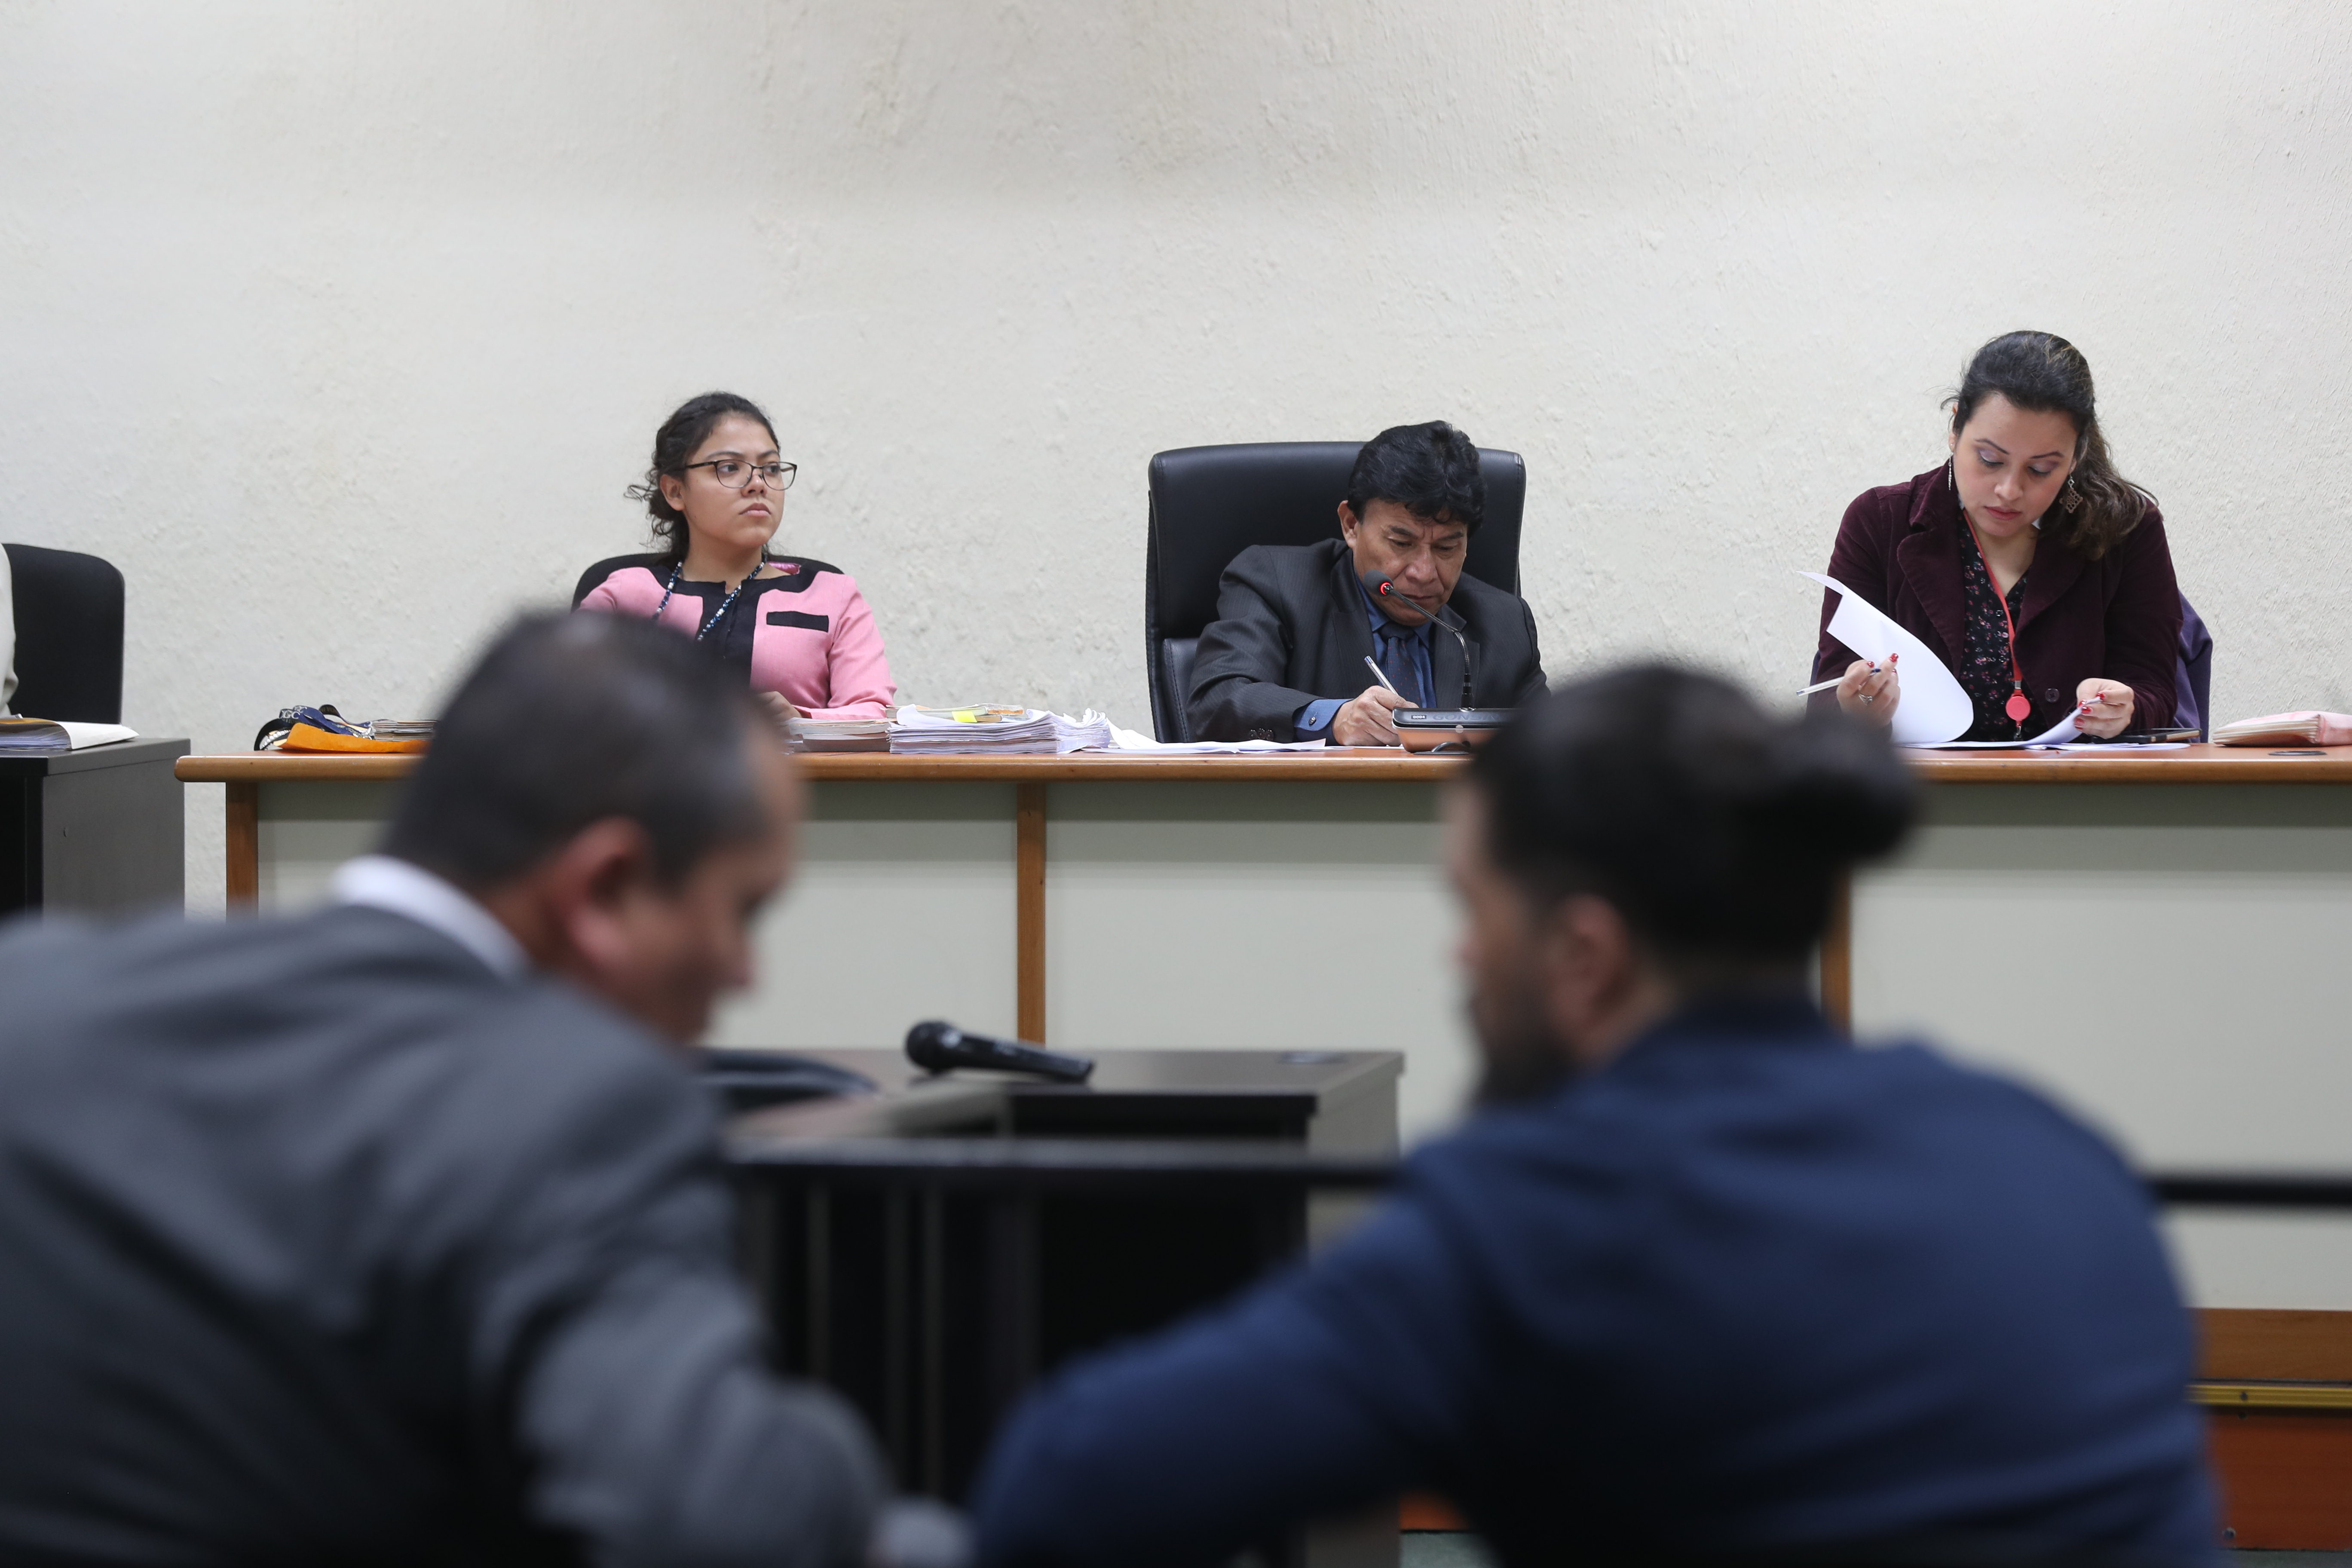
(94, 830)
(933, 1249)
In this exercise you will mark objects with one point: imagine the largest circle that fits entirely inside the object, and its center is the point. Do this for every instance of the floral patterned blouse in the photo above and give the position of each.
(1985, 672)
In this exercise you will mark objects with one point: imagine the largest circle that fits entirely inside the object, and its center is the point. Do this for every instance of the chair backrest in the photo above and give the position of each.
(2193, 680)
(1210, 503)
(69, 609)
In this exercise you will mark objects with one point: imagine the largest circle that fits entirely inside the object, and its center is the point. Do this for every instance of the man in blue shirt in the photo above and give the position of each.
(1700, 1279)
(1284, 660)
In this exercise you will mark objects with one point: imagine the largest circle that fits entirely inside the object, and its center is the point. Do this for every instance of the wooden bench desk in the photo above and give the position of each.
(2154, 936)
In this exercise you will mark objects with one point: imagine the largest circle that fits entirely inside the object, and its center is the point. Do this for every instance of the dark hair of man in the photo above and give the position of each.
(1431, 470)
(1717, 830)
(570, 720)
(2046, 375)
(674, 445)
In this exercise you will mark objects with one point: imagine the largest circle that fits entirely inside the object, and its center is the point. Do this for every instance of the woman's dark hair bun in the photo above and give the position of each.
(1831, 789)
(1717, 829)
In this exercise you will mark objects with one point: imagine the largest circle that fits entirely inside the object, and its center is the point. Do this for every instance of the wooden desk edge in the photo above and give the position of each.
(1354, 766)
(2198, 765)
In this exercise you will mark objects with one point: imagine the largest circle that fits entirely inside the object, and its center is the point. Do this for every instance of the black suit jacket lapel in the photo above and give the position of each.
(1353, 626)
(1929, 558)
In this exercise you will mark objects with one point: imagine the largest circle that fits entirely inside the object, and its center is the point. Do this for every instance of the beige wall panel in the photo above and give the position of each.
(2166, 961)
(1294, 916)
(309, 829)
(900, 910)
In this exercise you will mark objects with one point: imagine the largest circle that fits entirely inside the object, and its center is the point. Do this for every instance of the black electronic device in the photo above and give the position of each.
(941, 1047)
(1446, 728)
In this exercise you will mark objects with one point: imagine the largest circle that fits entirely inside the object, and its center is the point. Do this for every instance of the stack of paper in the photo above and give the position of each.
(1090, 732)
(2308, 727)
(22, 737)
(995, 731)
(840, 734)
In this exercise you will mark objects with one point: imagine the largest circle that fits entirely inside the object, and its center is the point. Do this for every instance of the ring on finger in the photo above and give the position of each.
(1867, 698)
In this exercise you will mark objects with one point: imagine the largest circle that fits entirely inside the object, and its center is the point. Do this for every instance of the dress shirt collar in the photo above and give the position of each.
(381, 882)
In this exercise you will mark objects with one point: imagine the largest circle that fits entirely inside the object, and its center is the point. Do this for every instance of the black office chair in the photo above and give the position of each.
(2193, 678)
(1210, 503)
(69, 609)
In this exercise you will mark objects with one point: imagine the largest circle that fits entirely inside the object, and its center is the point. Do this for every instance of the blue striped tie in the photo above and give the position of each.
(1396, 661)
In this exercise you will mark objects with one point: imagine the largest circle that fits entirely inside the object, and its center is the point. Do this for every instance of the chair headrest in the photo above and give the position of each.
(1210, 503)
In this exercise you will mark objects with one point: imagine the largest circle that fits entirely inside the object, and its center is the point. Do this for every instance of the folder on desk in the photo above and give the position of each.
(2308, 727)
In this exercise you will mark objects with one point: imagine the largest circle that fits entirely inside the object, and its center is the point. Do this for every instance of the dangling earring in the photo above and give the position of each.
(2070, 497)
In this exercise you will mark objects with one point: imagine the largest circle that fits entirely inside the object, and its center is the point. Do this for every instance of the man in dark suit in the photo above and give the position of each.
(396, 1233)
(1284, 660)
(1702, 1281)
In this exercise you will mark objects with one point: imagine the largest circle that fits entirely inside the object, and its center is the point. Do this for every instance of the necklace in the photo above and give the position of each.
(724, 605)
(2019, 706)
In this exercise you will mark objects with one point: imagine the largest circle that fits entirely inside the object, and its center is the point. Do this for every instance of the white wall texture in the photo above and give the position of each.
(341, 327)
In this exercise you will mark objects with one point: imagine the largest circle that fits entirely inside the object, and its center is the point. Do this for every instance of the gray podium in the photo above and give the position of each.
(932, 1249)
(96, 831)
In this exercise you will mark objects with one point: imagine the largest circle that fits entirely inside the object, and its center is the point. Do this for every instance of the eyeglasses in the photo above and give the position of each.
(735, 473)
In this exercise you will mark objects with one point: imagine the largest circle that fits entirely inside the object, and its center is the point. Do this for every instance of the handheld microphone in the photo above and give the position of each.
(1386, 588)
(940, 1046)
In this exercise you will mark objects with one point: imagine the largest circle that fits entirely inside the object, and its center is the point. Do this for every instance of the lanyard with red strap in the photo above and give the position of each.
(2019, 707)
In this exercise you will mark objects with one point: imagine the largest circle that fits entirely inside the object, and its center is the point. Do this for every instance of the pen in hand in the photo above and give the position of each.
(1381, 676)
(1808, 691)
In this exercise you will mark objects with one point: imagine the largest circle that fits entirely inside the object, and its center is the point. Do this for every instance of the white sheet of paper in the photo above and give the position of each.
(84, 736)
(2065, 733)
(1932, 708)
(1128, 740)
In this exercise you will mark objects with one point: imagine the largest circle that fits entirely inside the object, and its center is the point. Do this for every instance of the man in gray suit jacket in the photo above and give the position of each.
(396, 1233)
(1284, 660)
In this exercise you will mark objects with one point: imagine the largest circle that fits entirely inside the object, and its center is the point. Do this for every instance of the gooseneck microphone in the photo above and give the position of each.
(940, 1046)
(1386, 589)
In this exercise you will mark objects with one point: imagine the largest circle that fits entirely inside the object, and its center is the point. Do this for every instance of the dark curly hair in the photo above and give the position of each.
(1431, 470)
(674, 443)
(1718, 830)
(2044, 374)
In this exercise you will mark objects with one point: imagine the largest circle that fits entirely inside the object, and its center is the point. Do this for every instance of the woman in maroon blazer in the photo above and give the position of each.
(2034, 571)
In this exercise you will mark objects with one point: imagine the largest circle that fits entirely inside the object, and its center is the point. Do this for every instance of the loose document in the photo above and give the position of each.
(1934, 712)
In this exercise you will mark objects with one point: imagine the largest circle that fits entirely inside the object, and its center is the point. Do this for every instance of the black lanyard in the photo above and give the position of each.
(2019, 706)
(724, 605)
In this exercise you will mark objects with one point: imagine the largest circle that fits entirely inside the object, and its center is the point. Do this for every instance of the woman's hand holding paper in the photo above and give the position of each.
(2106, 708)
(1870, 691)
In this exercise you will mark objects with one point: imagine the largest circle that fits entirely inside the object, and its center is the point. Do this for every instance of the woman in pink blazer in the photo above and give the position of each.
(798, 628)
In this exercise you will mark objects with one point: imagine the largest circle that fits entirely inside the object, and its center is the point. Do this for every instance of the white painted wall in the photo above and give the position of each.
(341, 327)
